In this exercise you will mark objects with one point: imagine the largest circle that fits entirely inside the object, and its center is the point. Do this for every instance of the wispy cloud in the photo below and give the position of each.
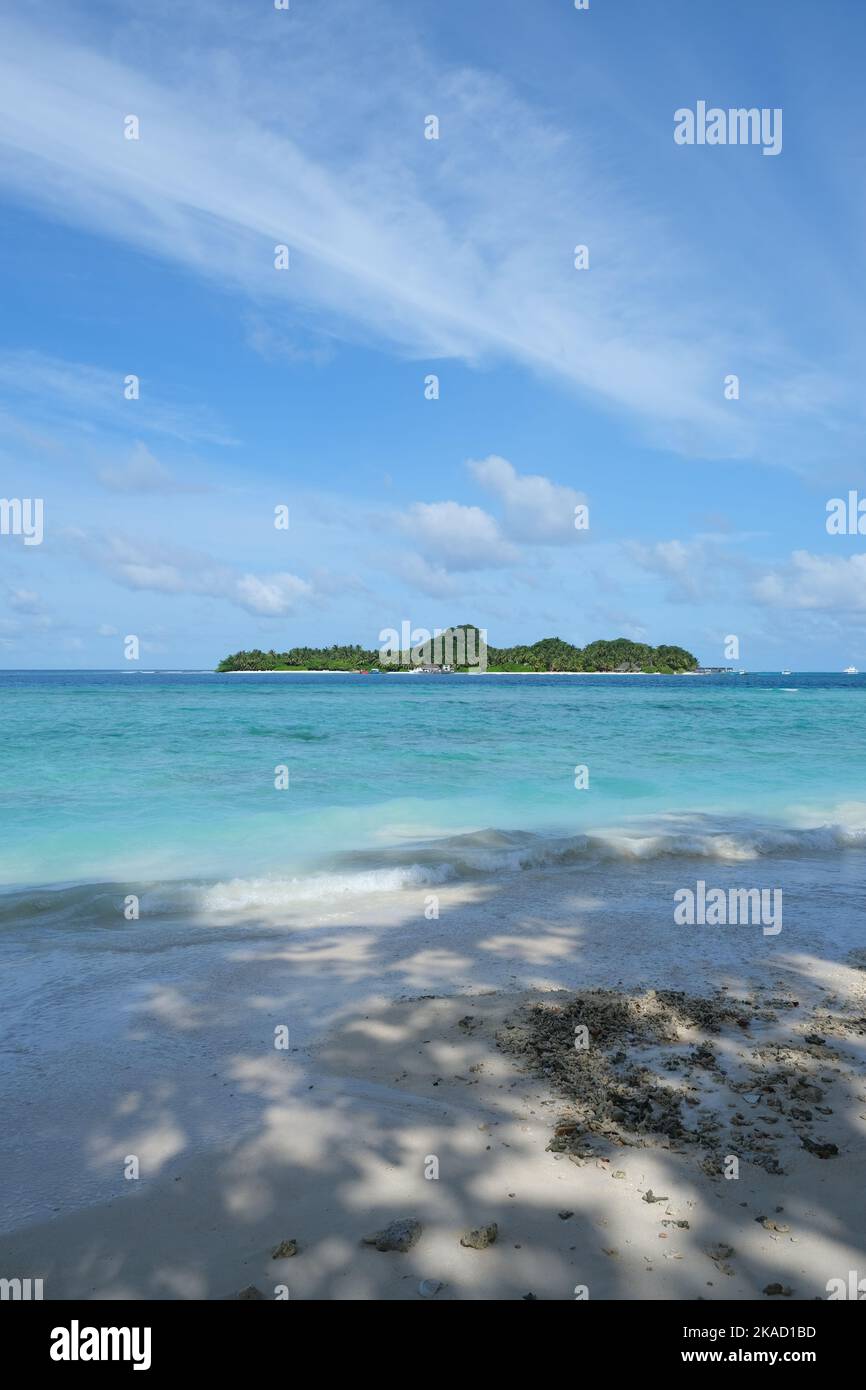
(141, 472)
(458, 248)
(701, 569)
(171, 570)
(56, 391)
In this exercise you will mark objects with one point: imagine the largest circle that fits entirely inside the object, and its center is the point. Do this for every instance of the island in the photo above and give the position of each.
(618, 655)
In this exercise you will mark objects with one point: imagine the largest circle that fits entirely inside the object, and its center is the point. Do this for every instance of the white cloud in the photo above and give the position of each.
(703, 568)
(457, 537)
(165, 569)
(452, 538)
(534, 508)
(272, 594)
(815, 582)
(682, 563)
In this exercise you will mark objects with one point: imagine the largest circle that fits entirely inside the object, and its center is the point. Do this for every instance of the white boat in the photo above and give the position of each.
(786, 673)
(850, 671)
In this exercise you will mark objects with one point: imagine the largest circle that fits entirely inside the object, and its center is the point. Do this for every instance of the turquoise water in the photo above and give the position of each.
(169, 778)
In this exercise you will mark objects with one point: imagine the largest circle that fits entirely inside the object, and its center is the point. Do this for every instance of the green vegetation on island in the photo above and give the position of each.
(549, 654)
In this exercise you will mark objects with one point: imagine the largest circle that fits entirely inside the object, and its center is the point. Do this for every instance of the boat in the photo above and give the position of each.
(850, 671)
(786, 673)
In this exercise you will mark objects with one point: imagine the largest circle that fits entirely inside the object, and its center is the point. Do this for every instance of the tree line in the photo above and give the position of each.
(619, 654)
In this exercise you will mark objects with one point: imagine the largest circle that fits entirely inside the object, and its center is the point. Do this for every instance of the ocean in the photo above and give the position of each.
(164, 784)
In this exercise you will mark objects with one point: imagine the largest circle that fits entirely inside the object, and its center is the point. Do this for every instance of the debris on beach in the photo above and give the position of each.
(821, 1148)
(285, 1250)
(481, 1237)
(675, 1071)
(770, 1225)
(400, 1235)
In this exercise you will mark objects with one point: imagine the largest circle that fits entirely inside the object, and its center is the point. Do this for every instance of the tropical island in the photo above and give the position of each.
(551, 654)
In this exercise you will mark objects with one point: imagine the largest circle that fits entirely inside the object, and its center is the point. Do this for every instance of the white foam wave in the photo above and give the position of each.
(493, 853)
(474, 855)
(239, 894)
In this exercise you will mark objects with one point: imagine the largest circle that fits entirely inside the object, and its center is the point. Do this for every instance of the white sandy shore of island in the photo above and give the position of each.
(169, 1056)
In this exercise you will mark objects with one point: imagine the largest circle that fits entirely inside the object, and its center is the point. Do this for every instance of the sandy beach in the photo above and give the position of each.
(408, 1043)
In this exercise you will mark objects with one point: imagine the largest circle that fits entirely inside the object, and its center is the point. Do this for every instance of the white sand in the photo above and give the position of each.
(168, 1055)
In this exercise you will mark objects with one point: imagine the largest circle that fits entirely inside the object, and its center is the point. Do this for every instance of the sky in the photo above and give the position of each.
(261, 386)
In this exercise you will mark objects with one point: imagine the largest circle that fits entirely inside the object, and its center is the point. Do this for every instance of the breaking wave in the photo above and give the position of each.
(449, 859)
(493, 852)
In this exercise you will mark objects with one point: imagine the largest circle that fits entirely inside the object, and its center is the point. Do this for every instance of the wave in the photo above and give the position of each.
(448, 859)
(239, 894)
(488, 853)
(733, 839)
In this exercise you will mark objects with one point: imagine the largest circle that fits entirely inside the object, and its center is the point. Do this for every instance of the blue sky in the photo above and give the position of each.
(408, 257)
